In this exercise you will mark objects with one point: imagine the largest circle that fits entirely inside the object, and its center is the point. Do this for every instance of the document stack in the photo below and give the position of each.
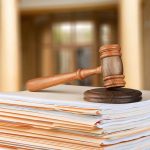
(58, 118)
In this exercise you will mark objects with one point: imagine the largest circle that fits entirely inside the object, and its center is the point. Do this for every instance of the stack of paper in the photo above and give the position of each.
(59, 119)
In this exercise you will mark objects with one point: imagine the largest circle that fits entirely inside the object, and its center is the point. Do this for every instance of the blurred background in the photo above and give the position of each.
(47, 37)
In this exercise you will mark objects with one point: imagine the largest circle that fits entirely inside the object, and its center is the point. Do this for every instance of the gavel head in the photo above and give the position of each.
(111, 65)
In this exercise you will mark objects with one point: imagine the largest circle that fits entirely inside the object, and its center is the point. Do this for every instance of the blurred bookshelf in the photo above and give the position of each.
(64, 42)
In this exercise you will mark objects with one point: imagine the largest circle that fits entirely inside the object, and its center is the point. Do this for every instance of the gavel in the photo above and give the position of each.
(111, 68)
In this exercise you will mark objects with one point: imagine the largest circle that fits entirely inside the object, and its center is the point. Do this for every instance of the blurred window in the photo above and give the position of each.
(73, 43)
(84, 33)
(107, 33)
(64, 57)
(62, 33)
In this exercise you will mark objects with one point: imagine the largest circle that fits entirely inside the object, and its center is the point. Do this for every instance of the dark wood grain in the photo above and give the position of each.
(113, 95)
(112, 66)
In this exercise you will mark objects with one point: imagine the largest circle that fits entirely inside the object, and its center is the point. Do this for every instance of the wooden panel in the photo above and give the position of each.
(29, 53)
(146, 50)
(47, 58)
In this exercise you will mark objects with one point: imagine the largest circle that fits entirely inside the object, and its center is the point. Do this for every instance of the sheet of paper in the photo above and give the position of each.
(67, 95)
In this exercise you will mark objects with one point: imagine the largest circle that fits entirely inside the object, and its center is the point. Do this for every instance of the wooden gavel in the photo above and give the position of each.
(111, 67)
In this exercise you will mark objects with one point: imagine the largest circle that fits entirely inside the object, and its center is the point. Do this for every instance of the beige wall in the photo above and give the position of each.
(29, 6)
(135, 40)
(10, 49)
(131, 41)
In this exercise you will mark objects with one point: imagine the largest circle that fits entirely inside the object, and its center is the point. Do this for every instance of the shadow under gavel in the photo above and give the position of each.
(111, 68)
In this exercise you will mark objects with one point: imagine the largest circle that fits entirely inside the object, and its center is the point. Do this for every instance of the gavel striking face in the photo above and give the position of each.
(111, 68)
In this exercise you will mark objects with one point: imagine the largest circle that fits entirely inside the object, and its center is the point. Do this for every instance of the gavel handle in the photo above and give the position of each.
(45, 82)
